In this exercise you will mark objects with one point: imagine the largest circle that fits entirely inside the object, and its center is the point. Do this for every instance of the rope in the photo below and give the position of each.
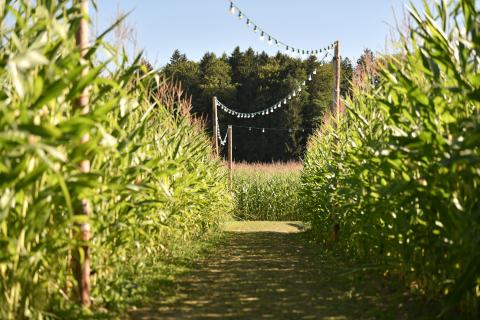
(263, 129)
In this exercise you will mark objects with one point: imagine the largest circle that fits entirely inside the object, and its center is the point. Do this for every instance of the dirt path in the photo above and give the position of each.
(269, 272)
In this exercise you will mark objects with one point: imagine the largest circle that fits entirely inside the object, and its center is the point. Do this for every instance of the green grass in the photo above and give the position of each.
(265, 226)
(267, 191)
(160, 279)
(261, 272)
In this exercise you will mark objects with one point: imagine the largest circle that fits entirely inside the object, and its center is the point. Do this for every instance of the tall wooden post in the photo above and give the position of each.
(83, 265)
(215, 125)
(336, 75)
(230, 154)
(336, 109)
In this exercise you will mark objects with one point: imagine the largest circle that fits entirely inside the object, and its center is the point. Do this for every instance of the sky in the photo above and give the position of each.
(197, 26)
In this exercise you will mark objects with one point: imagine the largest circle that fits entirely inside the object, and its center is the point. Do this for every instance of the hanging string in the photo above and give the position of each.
(272, 40)
(263, 129)
(270, 110)
(223, 141)
(273, 108)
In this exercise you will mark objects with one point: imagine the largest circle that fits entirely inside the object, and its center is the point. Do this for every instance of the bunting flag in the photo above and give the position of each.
(234, 10)
(270, 110)
(223, 141)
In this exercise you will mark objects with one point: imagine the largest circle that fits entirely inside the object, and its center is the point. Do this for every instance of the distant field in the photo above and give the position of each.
(267, 191)
(269, 168)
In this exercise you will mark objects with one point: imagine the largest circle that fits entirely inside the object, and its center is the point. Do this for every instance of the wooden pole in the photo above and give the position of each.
(336, 90)
(230, 154)
(215, 125)
(336, 109)
(82, 103)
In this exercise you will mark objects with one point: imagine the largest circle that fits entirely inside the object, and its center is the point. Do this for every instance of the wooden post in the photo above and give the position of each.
(336, 75)
(230, 154)
(83, 265)
(336, 109)
(215, 125)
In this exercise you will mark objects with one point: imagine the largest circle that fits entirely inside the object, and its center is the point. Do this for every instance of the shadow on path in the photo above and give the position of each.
(268, 275)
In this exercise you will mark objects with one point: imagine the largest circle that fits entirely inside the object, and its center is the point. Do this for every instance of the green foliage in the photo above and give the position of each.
(184, 71)
(153, 186)
(267, 192)
(400, 174)
(248, 81)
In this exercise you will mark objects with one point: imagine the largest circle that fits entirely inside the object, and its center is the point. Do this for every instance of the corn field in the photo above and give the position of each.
(395, 178)
(399, 175)
(267, 191)
(153, 184)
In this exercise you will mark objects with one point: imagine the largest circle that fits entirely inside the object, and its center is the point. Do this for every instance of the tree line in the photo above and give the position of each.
(247, 81)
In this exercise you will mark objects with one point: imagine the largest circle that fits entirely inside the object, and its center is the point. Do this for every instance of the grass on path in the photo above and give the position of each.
(280, 275)
(265, 226)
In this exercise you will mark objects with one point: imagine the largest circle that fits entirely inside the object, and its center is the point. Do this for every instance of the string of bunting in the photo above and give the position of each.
(271, 109)
(272, 40)
(223, 141)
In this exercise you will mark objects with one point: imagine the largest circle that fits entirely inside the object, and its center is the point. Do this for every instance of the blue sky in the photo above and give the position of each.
(197, 26)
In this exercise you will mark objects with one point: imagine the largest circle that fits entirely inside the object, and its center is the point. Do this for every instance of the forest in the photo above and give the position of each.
(248, 81)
